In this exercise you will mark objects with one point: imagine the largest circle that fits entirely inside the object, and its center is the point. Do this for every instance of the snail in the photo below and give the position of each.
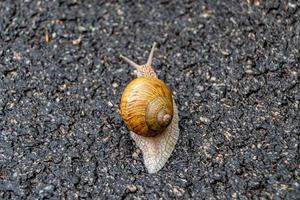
(149, 111)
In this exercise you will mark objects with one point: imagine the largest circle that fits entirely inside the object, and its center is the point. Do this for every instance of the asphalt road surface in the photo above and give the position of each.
(234, 70)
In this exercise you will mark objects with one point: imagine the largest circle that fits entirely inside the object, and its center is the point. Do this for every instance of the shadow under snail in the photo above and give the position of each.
(150, 113)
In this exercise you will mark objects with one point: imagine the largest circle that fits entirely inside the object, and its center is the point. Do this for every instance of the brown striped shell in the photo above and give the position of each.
(147, 106)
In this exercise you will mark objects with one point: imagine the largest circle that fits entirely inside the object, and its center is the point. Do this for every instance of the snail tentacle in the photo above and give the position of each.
(133, 64)
(145, 69)
(150, 58)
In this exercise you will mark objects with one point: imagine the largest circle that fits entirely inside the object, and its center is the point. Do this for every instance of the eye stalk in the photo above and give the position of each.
(145, 69)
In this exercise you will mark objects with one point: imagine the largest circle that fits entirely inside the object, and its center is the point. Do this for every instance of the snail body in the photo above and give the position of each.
(150, 113)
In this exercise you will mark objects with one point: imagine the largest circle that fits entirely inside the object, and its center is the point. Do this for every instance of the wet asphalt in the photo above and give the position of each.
(233, 68)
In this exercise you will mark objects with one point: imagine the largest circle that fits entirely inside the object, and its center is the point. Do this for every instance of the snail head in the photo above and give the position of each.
(145, 69)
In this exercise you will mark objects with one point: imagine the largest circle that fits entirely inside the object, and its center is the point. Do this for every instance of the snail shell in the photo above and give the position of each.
(147, 106)
(151, 115)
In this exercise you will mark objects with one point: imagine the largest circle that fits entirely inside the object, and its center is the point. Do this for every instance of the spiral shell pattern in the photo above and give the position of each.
(147, 106)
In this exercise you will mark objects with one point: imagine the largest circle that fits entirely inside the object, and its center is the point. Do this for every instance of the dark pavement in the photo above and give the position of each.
(234, 70)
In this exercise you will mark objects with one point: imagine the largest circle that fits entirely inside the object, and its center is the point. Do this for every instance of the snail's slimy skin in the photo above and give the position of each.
(157, 150)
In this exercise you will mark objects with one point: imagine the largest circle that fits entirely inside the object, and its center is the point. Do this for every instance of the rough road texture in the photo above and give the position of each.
(233, 67)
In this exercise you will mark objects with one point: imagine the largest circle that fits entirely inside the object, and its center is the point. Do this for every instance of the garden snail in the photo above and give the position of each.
(150, 113)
